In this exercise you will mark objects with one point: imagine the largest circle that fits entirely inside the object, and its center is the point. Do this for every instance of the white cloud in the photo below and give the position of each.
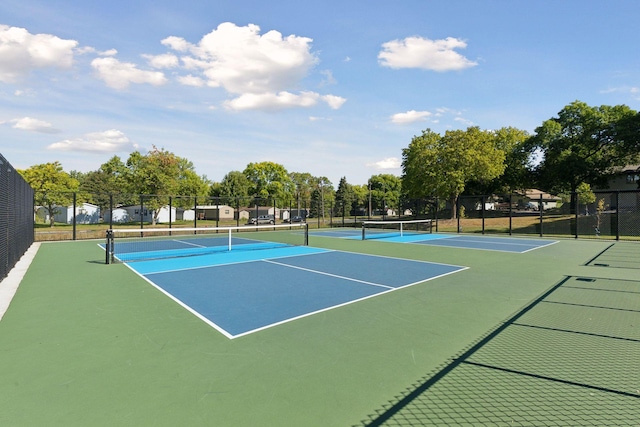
(88, 49)
(388, 163)
(464, 121)
(259, 69)
(110, 141)
(21, 52)
(410, 117)
(418, 52)
(119, 75)
(272, 101)
(281, 100)
(328, 78)
(243, 61)
(25, 92)
(634, 91)
(177, 43)
(335, 102)
(34, 125)
(166, 60)
(317, 119)
(191, 81)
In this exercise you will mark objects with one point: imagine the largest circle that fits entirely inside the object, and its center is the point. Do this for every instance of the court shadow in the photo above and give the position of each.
(525, 370)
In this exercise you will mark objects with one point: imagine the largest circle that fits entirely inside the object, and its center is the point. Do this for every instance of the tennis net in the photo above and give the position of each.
(128, 245)
(389, 229)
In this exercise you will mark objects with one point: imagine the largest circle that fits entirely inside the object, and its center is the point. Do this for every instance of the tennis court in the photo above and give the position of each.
(226, 290)
(339, 332)
(420, 232)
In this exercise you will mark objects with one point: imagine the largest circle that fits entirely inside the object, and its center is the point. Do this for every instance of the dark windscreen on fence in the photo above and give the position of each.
(16, 217)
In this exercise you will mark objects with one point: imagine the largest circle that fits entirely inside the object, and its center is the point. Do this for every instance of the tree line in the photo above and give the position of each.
(581, 147)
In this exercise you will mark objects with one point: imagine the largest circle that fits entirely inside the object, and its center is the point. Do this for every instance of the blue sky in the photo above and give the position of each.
(333, 88)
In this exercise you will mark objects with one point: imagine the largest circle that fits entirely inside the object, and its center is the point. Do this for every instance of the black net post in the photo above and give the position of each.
(306, 234)
(170, 210)
(141, 212)
(108, 249)
(110, 210)
(195, 211)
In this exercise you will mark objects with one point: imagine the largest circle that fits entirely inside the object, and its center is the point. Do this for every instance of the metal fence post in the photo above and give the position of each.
(510, 214)
(617, 198)
(482, 199)
(576, 206)
(74, 221)
(457, 208)
(541, 209)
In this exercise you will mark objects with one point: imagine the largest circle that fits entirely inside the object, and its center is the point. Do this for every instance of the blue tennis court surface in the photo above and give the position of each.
(488, 243)
(247, 291)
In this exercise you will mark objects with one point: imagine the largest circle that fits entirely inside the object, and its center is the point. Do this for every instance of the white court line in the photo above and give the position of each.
(355, 301)
(329, 274)
(189, 243)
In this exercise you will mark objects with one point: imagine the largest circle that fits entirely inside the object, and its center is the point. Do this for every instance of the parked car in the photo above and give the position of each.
(262, 219)
(294, 219)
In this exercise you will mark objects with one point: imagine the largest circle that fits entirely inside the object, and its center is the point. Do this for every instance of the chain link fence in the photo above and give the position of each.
(610, 215)
(16, 217)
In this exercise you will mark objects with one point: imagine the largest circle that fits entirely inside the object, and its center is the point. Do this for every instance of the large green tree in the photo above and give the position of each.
(53, 187)
(442, 166)
(322, 196)
(517, 175)
(190, 185)
(304, 184)
(269, 180)
(109, 180)
(345, 197)
(234, 185)
(159, 175)
(585, 144)
(385, 191)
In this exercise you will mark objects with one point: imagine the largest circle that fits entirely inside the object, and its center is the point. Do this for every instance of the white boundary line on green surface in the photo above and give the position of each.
(9, 285)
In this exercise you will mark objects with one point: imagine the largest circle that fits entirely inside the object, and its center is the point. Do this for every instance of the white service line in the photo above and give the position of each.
(331, 275)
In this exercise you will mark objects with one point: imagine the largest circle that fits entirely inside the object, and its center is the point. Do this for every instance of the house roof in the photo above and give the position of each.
(213, 207)
(630, 168)
(534, 194)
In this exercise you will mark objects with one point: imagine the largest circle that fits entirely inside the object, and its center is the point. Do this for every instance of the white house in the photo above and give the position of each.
(120, 215)
(186, 214)
(85, 213)
(147, 214)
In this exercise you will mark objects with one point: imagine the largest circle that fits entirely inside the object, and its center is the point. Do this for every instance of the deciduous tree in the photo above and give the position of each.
(442, 166)
(585, 144)
(269, 180)
(53, 187)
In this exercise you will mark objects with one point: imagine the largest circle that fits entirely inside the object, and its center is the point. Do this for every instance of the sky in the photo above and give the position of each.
(332, 88)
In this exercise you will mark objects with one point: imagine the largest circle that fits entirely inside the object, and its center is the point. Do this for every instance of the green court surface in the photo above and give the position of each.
(547, 337)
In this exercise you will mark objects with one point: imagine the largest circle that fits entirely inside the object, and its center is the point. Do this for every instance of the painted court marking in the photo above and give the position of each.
(262, 289)
(487, 243)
